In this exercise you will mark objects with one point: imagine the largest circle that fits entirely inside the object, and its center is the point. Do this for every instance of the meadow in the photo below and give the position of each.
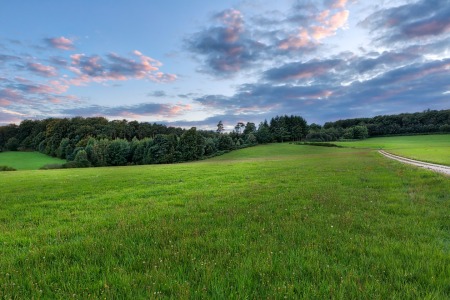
(429, 148)
(272, 221)
(27, 160)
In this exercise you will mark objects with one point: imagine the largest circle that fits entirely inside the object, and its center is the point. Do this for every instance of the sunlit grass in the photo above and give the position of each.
(270, 221)
(27, 160)
(431, 148)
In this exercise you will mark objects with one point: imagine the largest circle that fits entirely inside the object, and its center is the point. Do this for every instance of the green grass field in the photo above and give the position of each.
(27, 160)
(275, 221)
(430, 148)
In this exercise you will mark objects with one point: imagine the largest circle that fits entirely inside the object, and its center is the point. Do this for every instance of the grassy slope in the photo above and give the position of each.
(263, 222)
(27, 160)
(431, 148)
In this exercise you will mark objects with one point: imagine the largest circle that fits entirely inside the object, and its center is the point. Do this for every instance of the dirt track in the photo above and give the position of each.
(433, 167)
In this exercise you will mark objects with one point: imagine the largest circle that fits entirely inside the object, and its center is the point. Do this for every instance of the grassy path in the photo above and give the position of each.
(428, 148)
(433, 167)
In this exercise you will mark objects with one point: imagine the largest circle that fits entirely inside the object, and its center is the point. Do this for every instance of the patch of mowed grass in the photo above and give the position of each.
(271, 221)
(27, 160)
(430, 148)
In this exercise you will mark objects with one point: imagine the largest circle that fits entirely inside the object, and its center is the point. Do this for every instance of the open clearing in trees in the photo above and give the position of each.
(27, 160)
(270, 221)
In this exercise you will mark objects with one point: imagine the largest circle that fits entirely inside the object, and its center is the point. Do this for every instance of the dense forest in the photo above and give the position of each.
(85, 142)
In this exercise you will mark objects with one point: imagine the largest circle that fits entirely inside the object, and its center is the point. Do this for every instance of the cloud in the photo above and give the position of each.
(61, 43)
(131, 111)
(259, 99)
(53, 87)
(115, 67)
(46, 94)
(419, 71)
(42, 70)
(330, 25)
(5, 58)
(339, 3)
(234, 44)
(9, 96)
(31, 98)
(58, 61)
(226, 48)
(157, 94)
(297, 41)
(187, 96)
(386, 59)
(420, 20)
(287, 64)
(9, 117)
(315, 22)
(300, 70)
(376, 83)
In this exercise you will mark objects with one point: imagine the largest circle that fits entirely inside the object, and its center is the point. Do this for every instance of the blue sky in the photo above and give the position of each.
(193, 63)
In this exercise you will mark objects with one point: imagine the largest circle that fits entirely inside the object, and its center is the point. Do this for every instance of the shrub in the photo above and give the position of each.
(52, 167)
(225, 142)
(81, 159)
(319, 144)
(70, 165)
(118, 152)
(6, 168)
(250, 139)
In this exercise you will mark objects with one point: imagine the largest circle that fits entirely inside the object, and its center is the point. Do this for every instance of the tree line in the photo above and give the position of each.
(85, 142)
(99, 142)
(429, 121)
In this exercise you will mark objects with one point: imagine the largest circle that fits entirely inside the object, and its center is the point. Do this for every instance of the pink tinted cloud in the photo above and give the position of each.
(58, 86)
(9, 96)
(321, 32)
(233, 20)
(9, 116)
(117, 68)
(323, 16)
(223, 65)
(163, 77)
(323, 25)
(51, 87)
(149, 109)
(42, 70)
(324, 94)
(39, 89)
(61, 43)
(330, 25)
(428, 28)
(338, 20)
(129, 115)
(310, 73)
(147, 63)
(5, 102)
(301, 40)
(439, 68)
(339, 3)
(315, 95)
(178, 109)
